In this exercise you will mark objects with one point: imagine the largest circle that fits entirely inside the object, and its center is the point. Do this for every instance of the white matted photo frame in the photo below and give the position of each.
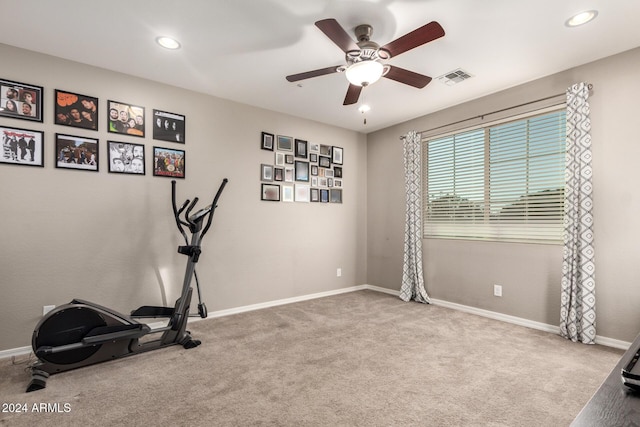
(169, 162)
(169, 127)
(287, 193)
(126, 158)
(22, 146)
(77, 152)
(337, 155)
(285, 143)
(21, 100)
(125, 119)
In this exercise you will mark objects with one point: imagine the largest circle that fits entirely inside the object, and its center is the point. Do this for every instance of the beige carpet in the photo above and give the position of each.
(356, 359)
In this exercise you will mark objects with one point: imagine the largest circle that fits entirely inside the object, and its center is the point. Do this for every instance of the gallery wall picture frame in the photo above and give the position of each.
(168, 126)
(266, 172)
(285, 143)
(125, 119)
(266, 141)
(337, 155)
(287, 193)
(324, 195)
(314, 148)
(335, 195)
(288, 174)
(126, 158)
(302, 170)
(169, 162)
(337, 171)
(279, 159)
(314, 195)
(77, 153)
(22, 147)
(313, 157)
(302, 193)
(278, 174)
(324, 161)
(325, 150)
(75, 110)
(270, 192)
(301, 148)
(21, 101)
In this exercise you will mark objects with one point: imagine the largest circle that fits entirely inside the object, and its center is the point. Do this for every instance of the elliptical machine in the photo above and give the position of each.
(82, 333)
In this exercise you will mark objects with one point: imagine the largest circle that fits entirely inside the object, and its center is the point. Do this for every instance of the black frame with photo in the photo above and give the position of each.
(86, 110)
(337, 155)
(173, 166)
(285, 143)
(169, 127)
(76, 152)
(264, 192)
(266, 142)
(302, 171)
(124, 127)
(18, 143)
(125, 157)
(16, 93)
(300, 148)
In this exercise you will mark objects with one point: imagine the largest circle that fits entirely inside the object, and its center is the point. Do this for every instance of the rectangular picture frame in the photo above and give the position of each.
(266, 172)
(120, 116)
(169, 127)
(22, 147)
(21, 100)
(285, 143)
(302, 171)
(75, 110)
(270, 192)
(126, 158)
(301, 148)
(266, 141)
(77, 153)
(337, 155)
(169, 162)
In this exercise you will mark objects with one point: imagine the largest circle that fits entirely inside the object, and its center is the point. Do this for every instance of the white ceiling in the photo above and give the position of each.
(242, 49)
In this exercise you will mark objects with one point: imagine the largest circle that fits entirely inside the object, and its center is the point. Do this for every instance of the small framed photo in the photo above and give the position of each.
(125, 119)
(324, 195)
(278, 174)
(279, 160)
(167, 126)
(302, 171)
(266, 172)
(288, 159)
(324, 161)
(22, 147)
(287, 193)
(329, 173)
(314, 148)
(337, 171)
(313, 157)
(336, 155)
(301, 148)
(288, 174)
(302, 193)
(75, 110)
(314, 195)
(126, 158)
(270, 192)
(76, 152)
(285, 143)
(325, 150)
(314, 170)
(20, 101)
(267, 141)
(335, 195)
(169, 162)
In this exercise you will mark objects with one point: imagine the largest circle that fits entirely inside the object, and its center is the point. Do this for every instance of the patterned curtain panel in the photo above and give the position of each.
(412, 278)
(578, 299)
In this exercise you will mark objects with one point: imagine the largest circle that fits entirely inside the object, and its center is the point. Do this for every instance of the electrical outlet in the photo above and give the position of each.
(339, 272)
(497, 290)
(47, 308)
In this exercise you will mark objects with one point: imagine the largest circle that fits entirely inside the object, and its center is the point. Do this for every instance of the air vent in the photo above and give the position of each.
(455, 76)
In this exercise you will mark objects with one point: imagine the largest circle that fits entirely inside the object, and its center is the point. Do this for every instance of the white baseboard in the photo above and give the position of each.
(609, 342)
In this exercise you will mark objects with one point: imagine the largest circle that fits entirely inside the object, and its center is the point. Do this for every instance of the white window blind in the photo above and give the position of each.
(503, 181)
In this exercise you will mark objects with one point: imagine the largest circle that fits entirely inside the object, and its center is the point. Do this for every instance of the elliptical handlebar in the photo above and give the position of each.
(189, 206)
(214, 205)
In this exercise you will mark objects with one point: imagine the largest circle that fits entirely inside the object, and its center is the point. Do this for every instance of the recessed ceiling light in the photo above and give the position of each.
(581, 18)
(168, 43)
(364, 108)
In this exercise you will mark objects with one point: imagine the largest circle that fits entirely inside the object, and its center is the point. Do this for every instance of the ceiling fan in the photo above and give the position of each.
(364, 59)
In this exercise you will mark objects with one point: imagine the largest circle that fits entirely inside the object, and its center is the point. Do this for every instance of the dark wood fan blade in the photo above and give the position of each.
(314, 73)
(407, 77)
(415, 38)
(337, 34)
(353, 93)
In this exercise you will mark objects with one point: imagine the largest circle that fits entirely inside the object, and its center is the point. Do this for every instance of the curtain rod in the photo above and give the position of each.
(589, 86)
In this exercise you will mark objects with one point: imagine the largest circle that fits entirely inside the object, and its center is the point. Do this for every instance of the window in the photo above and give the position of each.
(503, 181)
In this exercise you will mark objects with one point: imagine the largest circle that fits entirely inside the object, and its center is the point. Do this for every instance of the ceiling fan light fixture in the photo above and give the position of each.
(581, 18)
(364, 73)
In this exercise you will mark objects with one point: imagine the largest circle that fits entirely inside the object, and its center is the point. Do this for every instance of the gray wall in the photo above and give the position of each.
(464, 271)
(111, 239)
